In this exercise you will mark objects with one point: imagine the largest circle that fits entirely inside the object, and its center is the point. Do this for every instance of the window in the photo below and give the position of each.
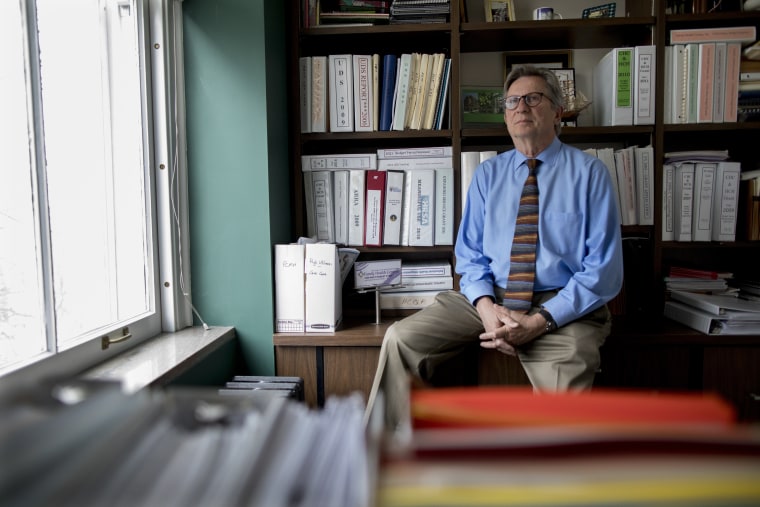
(85, 219)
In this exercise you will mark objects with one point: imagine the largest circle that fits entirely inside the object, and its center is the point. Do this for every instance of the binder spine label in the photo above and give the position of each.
(623, 92)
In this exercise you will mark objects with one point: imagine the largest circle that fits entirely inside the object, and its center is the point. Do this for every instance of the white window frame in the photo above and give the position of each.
(163, 80)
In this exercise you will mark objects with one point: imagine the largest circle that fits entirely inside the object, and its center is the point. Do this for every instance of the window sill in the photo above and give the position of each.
(162, 359)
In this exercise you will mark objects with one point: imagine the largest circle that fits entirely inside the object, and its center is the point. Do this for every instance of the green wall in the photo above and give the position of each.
(235, 79)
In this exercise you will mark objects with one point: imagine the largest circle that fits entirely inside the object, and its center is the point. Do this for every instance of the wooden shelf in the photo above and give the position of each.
(351, 335)
(714, 19)
(560, 34)
(713, 127)
(498, 134)
(364, 31)
(644, 349)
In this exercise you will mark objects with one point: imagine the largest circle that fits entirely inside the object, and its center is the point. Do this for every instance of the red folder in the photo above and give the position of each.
(513, 421)
(500, 407)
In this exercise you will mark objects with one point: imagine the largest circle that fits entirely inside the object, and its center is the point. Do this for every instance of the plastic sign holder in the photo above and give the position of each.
(375, 276)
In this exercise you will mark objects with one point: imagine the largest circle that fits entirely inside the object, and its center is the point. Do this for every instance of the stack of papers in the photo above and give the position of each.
(697, 280)
(708, 155)
(674, 283)
(184, 448)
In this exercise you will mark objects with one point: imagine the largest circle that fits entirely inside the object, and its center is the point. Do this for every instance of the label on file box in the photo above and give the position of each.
(289, 288)
(323, 288)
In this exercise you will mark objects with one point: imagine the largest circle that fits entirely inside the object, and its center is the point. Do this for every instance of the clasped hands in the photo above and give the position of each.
(505, 329)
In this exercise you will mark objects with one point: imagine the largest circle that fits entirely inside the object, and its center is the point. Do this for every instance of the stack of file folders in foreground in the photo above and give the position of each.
(182, 447)
(714, 314)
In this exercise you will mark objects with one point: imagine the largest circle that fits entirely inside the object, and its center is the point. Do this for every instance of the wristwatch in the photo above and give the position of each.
(551, 324)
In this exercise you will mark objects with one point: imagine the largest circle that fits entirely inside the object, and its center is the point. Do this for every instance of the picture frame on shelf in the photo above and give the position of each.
(552, 59)
(498, 11)
(599, 11)
(566, 78)
(482, 105)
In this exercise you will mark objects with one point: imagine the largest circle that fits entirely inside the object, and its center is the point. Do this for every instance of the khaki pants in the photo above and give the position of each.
(562, 360)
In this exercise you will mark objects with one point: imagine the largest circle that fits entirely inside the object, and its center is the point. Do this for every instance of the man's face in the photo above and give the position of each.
(525, 122)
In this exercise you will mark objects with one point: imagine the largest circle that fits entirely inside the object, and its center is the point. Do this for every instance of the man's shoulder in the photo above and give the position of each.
(572, 150)
(500, 158)
(578, 155)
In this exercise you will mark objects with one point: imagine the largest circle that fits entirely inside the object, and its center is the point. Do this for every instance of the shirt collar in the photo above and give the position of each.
(546, 156)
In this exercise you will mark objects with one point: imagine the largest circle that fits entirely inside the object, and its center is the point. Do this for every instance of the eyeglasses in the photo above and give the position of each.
(531, 100)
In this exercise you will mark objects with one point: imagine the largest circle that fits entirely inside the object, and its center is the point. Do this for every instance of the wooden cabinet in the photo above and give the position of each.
(732, 371)
(340, 362)
(331, 363)
(667, 356)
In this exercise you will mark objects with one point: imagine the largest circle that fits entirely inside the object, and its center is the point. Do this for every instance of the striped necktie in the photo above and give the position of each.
(522, 262)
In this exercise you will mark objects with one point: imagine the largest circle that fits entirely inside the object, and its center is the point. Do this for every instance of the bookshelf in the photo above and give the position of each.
(695, 357)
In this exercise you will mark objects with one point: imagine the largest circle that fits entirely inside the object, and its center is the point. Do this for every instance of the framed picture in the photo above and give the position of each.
(547, 59)
(566, 78)
(499, 10)
(482, 104)
(600, 11)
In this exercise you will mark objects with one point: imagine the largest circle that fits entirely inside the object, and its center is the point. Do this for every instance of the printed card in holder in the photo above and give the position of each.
(372, 276)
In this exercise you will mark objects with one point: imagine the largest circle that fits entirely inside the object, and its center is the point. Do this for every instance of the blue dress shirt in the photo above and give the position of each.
(579, 245)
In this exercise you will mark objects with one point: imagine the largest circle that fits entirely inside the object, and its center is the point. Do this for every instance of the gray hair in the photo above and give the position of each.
(552, 83)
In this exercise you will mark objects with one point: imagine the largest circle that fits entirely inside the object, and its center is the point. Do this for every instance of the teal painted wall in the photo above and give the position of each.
(235, 80)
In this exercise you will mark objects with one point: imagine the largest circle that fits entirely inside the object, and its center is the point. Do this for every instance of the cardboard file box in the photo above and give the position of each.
(289, 288)
(324, 305)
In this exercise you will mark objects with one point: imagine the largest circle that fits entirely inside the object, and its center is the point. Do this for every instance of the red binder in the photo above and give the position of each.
(374, 208)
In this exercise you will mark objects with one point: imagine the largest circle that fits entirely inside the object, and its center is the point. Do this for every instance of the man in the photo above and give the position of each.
(554, 320)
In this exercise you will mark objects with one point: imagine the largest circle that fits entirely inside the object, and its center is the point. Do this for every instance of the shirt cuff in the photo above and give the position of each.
(561, 311)
(474, 291)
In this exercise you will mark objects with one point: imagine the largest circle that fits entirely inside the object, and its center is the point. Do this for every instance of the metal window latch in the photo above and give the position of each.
(107, 340)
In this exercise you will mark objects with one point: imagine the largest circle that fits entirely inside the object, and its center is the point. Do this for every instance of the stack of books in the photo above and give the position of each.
(419, 11)
(697, 280)
(599, 448)
(351, 13)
